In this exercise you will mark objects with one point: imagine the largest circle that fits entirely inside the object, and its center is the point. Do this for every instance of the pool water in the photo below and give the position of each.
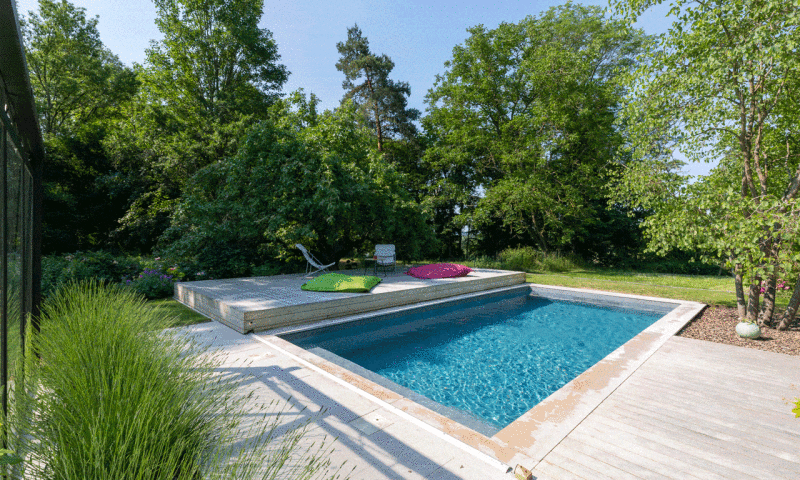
(495, 357)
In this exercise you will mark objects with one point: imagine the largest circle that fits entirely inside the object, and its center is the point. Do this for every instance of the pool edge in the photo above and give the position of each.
(534, 434)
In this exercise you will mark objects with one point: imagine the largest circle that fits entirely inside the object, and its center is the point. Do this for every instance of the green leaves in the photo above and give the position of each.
(301, 177)
(75, 78)
(526, 112)
(721, 87)
(214, 58)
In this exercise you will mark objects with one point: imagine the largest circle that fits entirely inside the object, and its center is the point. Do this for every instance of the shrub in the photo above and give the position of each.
(556, 262)
(152, 284)
(527, 259)
(483, 261)
(118, 397)
(79, 266)
(522, 259)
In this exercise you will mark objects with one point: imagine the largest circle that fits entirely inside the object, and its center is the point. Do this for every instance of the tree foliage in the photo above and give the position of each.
(381, 100)
(526, 112)
(212, 76)
(79, 87)
(214, 59)
(299, 177)
(722, 86)
(75, 78)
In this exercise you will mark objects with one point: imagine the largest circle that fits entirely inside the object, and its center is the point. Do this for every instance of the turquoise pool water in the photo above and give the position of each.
(494, 358)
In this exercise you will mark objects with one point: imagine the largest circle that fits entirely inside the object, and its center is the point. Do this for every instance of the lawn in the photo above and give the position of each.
(180, 314)
(713, 290)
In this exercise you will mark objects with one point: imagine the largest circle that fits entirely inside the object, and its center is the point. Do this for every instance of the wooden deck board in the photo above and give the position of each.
(744, 416)
(693, 410)
(751, 434)
(732, 375)
(691, 392)
(745, 460)
(606, 462)
(656, 461)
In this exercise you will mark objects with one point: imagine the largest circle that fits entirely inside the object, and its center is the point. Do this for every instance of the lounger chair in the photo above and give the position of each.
(385, 257)
(313, 262)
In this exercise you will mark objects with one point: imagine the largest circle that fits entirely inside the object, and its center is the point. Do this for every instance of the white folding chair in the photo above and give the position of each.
(313, 262)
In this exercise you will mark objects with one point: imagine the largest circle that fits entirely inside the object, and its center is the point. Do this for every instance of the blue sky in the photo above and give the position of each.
(417, 35)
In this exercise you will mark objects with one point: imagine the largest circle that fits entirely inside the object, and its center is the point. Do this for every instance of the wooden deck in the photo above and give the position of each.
(693, 410)
(264, 303)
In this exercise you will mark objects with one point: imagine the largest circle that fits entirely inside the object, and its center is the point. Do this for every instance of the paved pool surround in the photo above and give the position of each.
(263, 303)
(527, 440)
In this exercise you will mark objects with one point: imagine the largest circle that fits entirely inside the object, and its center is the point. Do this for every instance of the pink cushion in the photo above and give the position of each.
(439, 270)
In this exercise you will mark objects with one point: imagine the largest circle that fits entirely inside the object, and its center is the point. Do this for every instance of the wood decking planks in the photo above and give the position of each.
(695, 409)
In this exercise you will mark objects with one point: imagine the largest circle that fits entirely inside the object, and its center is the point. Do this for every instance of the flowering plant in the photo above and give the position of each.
(780, 285)
(152, 284)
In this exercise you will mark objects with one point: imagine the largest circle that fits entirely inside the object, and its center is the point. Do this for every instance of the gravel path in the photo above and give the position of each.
(718, 324)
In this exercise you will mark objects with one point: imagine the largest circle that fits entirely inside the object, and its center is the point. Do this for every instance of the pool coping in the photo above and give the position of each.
(529, 438)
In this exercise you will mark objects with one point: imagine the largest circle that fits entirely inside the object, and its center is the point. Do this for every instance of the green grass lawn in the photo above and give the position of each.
(712, 290)
(180, 314)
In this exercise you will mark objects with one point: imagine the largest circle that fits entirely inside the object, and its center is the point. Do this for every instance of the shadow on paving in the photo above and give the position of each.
(375, 452)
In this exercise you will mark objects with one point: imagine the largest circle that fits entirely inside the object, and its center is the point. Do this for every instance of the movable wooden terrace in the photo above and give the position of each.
(264, 303)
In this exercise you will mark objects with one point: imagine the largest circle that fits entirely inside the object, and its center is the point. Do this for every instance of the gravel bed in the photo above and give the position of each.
(718, 324)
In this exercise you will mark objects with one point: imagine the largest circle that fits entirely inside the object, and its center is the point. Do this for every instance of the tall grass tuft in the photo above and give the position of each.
(527, 259)
(117, 397)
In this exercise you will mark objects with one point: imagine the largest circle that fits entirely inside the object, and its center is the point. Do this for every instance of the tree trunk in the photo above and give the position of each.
(752, 300)
(379, 131)
(791, 309)
(769, 301)
(539, 237)
(741, 304)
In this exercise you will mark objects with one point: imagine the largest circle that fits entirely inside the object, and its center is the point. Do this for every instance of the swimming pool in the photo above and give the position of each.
(485, 361)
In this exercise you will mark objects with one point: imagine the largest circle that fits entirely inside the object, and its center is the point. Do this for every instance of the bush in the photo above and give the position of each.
(152, 284)
(676, 266)
(523, 259)
(527, 259)
(121, 398)
(80, 266)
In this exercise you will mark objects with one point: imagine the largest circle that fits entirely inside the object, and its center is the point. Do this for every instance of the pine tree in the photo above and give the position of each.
(382, 100)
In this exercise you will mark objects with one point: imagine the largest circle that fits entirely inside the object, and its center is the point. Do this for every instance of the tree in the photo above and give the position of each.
(722, 86)
(79, 87)
(526, 112)
(214, 58)
(75, 78)
(299, 177)
(382, 100)
(213, 75)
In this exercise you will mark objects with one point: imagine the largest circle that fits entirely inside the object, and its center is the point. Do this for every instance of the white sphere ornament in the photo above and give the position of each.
(748, 330)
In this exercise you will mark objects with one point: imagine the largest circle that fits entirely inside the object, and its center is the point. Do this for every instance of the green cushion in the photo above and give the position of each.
(337, 282)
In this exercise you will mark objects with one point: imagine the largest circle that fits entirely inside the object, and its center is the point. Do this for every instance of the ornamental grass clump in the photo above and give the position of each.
(115, 396)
